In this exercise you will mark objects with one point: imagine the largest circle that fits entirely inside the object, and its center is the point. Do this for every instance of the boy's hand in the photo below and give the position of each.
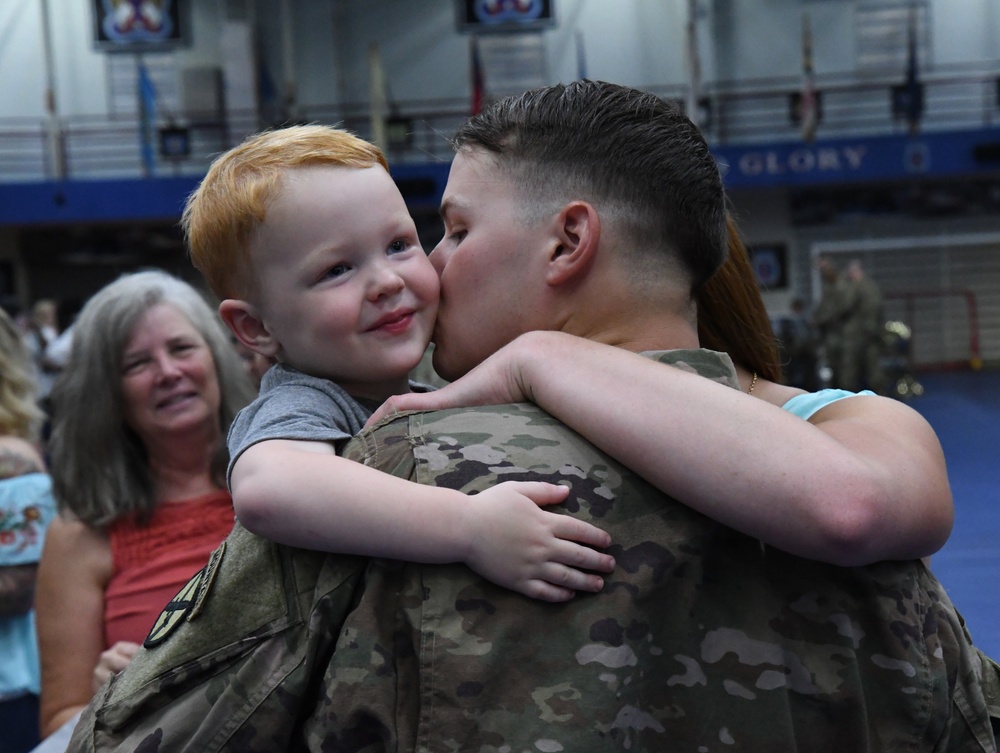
(516, 544)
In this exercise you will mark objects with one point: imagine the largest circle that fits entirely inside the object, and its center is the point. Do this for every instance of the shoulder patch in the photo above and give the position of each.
(187, 603)
(174, 612)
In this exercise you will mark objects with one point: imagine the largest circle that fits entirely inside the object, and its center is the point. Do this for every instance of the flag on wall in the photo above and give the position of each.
(809, 99)
(908, 99)
(581, 57)
(147, 118)
(478, 86)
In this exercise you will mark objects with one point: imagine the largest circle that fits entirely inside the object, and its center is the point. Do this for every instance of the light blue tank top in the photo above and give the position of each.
(806, 405)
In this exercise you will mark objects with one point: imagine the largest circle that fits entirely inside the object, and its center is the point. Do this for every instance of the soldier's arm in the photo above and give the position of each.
(864, 482)
(305, 495)
(72, 575)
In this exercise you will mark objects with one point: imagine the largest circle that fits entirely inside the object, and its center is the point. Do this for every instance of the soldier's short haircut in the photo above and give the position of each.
(636, 155)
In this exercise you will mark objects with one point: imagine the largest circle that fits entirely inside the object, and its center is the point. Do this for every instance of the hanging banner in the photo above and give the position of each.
(504, 15)
(861, 159)
(138, 25)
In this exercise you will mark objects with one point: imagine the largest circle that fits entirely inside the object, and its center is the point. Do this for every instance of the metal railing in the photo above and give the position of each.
(746, 112)
(945, 336)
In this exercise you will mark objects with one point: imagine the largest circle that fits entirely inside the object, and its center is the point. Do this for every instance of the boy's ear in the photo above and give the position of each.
(245, 323)
(577, 237)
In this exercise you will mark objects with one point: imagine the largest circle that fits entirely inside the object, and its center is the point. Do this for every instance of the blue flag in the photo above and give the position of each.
(147, 119)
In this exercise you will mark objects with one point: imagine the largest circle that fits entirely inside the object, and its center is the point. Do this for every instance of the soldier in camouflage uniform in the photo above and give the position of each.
(704, 639)
(861, 365)
(829, 317)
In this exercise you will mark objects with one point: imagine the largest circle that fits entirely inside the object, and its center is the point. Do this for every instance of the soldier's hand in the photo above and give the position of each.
(541, 554)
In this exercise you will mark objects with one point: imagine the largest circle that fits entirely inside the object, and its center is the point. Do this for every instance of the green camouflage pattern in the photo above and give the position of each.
(703, 639)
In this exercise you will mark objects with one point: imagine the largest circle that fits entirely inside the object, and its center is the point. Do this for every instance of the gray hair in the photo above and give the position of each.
(100, 471)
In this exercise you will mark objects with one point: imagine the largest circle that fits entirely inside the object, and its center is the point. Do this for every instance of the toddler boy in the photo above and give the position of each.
(304, 237)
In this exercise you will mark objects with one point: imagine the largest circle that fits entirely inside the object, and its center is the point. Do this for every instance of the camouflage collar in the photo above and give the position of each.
(708, 363)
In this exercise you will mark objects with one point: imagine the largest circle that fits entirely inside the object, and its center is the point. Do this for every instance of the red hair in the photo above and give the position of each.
(732, 317)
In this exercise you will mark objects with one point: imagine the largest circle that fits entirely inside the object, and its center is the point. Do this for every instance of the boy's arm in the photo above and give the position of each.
(303, 494)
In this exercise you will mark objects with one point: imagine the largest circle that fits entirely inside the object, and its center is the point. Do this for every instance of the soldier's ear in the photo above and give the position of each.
(246, 324)
(576, 240)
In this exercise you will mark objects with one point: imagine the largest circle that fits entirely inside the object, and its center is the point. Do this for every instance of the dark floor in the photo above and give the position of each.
(964, 409)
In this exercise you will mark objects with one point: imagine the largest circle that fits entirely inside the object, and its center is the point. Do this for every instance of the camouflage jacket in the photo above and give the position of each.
(702, 640)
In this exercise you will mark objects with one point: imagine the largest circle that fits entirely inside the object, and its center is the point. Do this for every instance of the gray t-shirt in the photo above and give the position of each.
(293, 405)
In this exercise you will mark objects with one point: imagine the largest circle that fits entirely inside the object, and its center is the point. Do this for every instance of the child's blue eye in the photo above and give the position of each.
(398, 246)
(458, 236)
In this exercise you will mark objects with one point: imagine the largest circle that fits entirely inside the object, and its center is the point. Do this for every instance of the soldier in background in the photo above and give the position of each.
(798, 343)
(831, 313)
(862, 334)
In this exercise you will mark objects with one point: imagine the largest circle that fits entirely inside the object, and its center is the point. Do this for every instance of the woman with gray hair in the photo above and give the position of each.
(138, 458)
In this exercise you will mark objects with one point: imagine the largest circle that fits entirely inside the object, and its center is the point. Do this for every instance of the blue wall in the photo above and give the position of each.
(957, 154)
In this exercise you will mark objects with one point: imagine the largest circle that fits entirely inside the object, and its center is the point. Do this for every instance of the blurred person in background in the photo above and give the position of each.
(42, 331)
(138, 455)
(863, 332)
(828, 318)
(798, 347)
(26, 508)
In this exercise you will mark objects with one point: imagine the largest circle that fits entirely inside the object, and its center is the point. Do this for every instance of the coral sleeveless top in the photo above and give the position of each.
(153, 561)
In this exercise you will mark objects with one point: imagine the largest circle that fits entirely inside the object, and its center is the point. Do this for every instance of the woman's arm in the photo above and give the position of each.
(863, 481)
(72, 575)
(303, 494)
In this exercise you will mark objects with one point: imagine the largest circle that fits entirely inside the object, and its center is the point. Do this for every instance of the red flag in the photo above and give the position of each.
(809, 102)
(478, 89)
(913, 91)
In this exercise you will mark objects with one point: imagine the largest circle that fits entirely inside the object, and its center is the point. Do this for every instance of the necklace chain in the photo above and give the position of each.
(753, 383)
